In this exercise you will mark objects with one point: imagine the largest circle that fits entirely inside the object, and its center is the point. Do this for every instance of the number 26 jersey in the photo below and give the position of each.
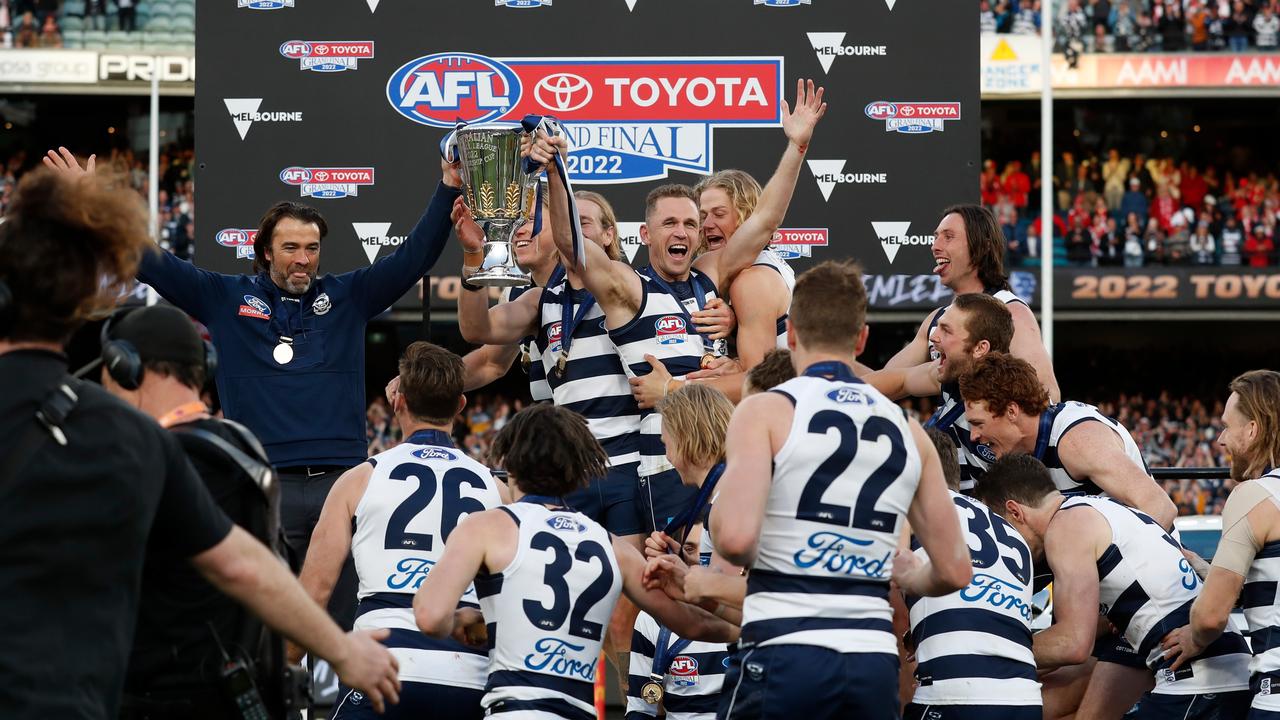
(842, 481)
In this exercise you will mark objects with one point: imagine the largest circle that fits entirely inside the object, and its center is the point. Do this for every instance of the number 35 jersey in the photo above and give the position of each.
(547, 612)
(841, 484)
(417, 494)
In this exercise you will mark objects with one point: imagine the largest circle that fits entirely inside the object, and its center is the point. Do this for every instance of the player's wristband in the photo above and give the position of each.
(467, 272)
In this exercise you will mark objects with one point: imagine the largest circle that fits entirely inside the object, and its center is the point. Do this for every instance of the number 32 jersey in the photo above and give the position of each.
(547, 612)
(841, 484)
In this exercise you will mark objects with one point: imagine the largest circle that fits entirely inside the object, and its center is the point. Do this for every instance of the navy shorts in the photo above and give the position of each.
(661, 498)
(915, 711)
(1217, 706)
(611, 500)
(1114, 649)
(814, 683)
(417, 700)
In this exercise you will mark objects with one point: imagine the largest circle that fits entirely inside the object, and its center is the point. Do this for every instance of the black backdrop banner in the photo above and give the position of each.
(342, 103)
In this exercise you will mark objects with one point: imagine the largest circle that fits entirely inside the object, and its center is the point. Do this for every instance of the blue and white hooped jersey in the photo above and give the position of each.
(1146, 589)
(692, 683)
(842, 482)
(547, 612)
(1055, 422)
(594, 383)
(661, 330)
(417, 494)
(949, 418)
(1262, 612)
(770, 259)
(539, 390)
(973, 647)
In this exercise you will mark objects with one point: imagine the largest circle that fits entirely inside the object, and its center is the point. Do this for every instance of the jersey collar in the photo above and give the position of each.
(832, 370)
(439, 438)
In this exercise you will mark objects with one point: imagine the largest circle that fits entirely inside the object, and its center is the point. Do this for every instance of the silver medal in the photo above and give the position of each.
(283, 353)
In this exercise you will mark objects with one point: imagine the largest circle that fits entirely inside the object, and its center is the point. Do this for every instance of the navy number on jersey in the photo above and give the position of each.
(863, 515)
(455, 505)
(564, 607)
(991, 537)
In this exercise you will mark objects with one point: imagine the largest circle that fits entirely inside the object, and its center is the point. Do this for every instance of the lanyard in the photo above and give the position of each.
(698, 297)
(832, 370)
(430, 437)
(569, 320)
(187, 412)
(692, 514)
(663, 654)
(1046, 429)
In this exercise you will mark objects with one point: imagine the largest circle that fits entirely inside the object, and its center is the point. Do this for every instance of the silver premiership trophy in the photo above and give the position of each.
(499, 193)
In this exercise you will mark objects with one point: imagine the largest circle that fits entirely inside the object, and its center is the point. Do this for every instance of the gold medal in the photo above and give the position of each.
(562, 363)
(525, 360)
(651, 692)
(707, 359)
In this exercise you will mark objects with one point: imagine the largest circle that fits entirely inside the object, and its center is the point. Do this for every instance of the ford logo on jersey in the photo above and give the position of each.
(409, 571)
(996, 593)
(849, 395)
(565, 523)
(834, 553)
(984, 452)
(552, 655)
(684, 671)
(433, 453)
(670, 329)
(258, 304)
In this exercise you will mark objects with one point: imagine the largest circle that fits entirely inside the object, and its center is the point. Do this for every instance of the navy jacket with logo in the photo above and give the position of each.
(310, 411)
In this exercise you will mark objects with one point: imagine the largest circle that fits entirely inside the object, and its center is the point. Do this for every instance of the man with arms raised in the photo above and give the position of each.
(968, 248)
(820, 473)
(1104, 554)
(394, 514)
(1247, 564)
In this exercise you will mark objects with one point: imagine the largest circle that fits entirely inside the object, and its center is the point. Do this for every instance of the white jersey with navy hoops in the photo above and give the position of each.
(1055, 422)
(770, 259)
(1146, 588)
(842, 484)
(547, 612)
(973, 647)
(418, 492)
(1262, 612)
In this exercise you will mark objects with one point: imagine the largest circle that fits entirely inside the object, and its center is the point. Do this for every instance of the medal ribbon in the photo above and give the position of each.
(663, 653)
(691, 515)
(569, 321)
(553, 127)
(708, 345)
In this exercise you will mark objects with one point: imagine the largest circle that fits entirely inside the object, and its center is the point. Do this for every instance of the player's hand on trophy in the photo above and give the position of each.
(798, 124)
(658, 544)
(465, 227)
(668, 574)
(648, 389)
(716, 320)
(451, 173)
(718, 367)
(367, 666)
(542, 148)
(469, 627)
(64, 163)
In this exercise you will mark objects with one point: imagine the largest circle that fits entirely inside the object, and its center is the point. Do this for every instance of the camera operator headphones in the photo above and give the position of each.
(123, 362)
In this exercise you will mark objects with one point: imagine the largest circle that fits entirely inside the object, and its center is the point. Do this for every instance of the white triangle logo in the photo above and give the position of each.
(826, 173)
(829, 41)
(886, 2)
(891, 234)
(373, 5)
(631, 4)
(372, 236)
(241, 110)
(629, 239)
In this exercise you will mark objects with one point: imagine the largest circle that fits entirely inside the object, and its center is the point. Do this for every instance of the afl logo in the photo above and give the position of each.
(670, 329)
(295, 175)
(684, 671)
(565, 523)
(849, 395)
(295, 49)
(433, 453)
(563, 92)
(257, 304)
(553, 336)
(441, 89)
(881, 110)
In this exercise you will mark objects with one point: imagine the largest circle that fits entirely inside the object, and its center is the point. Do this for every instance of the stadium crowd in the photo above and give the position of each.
(1142, 25)
(1135, 211)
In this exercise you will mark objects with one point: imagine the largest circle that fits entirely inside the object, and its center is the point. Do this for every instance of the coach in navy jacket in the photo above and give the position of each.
(309, 411)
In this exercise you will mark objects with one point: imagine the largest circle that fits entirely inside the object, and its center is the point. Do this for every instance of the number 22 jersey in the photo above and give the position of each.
(546, 613)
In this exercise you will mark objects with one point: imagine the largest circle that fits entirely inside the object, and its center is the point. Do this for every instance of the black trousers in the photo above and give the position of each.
(302, 496)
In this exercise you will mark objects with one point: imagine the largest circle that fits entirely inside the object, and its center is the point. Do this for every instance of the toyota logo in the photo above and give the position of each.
(563, 92)
(908, 111)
